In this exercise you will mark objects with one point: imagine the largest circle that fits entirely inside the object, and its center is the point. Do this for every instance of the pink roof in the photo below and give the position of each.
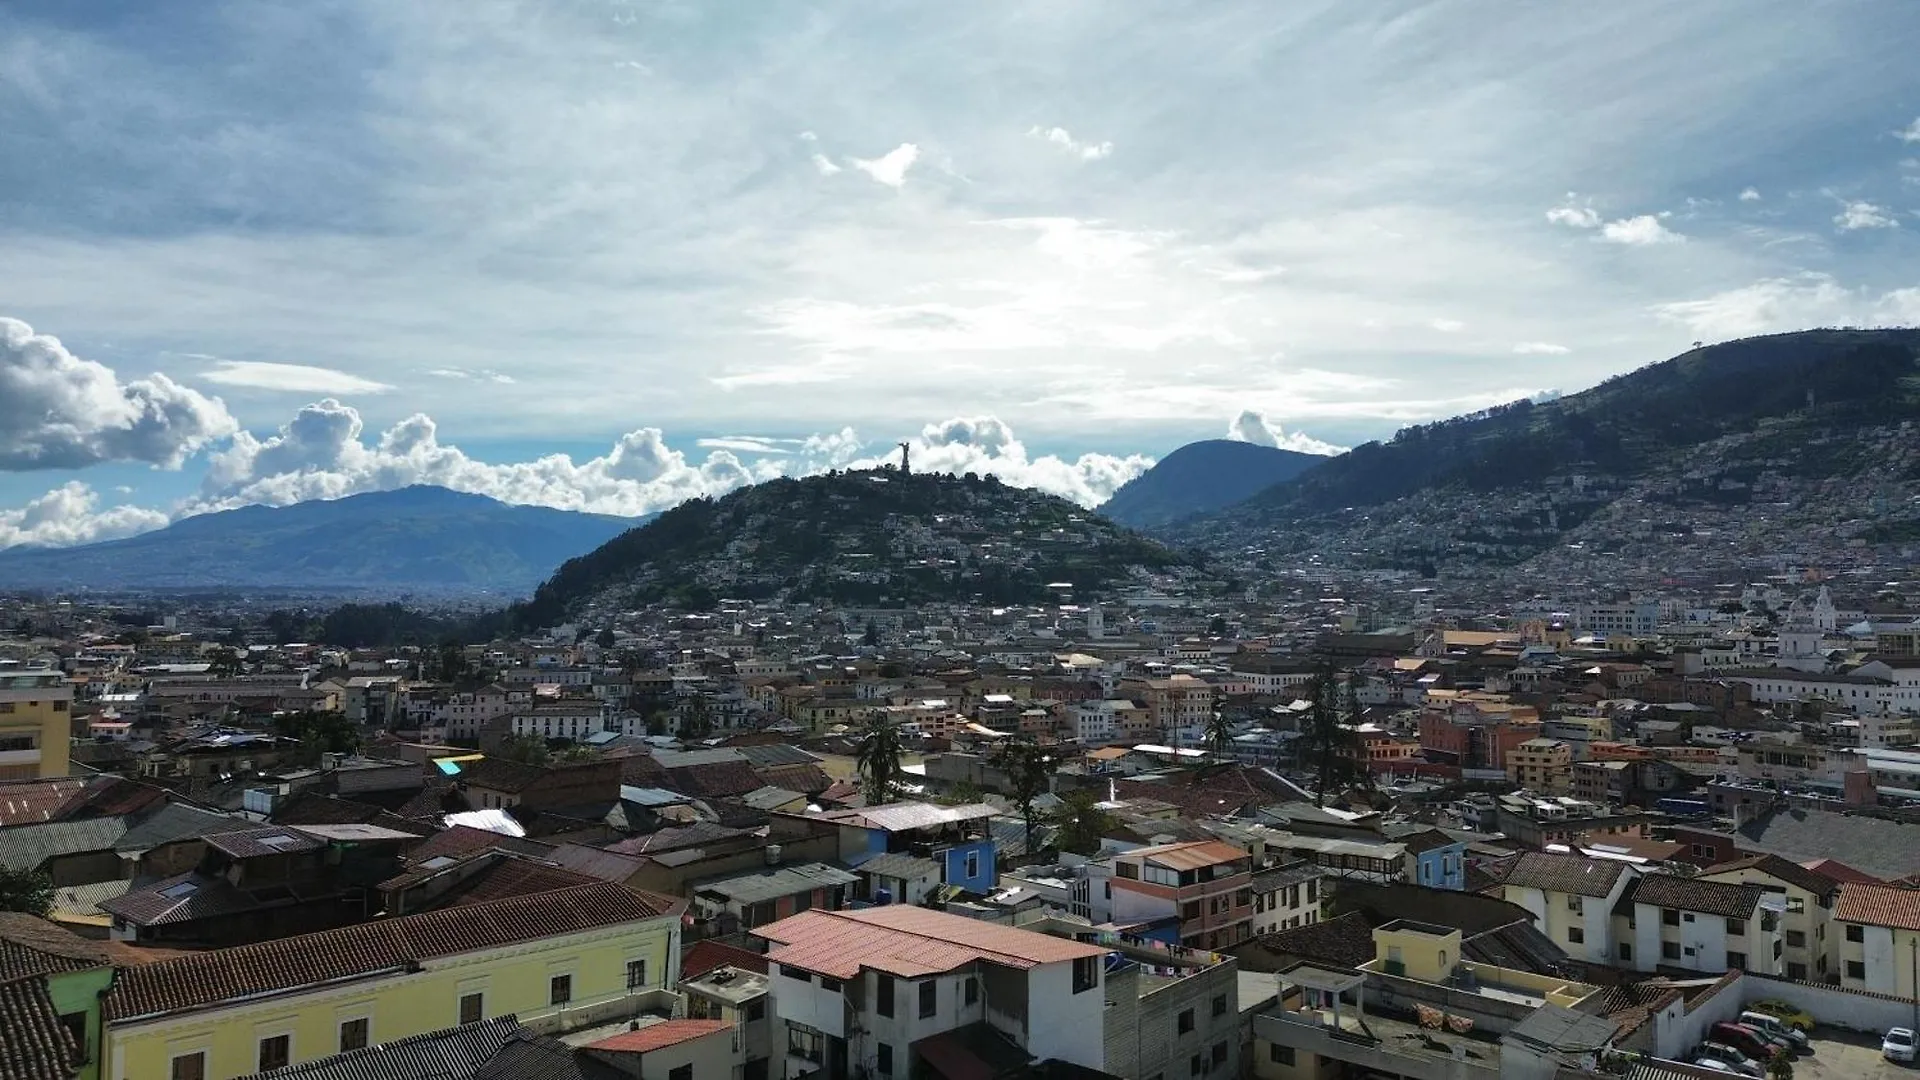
(659, 1036)
(909, 942)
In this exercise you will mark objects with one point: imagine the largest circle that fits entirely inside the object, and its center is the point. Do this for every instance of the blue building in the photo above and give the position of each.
(1439, 860)
(953, 841)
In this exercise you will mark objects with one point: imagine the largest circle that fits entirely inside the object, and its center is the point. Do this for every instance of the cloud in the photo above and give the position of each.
(290, 378)
(1750, 195)
(1910, 133)
(1639, 231)
(1540, 348)
(1579, 217)
(70, 514)
(826, 165)
(1062, 138)
(1252, 427)
(890, 168)
(481, 375)
(1448, 326)
(1780, 304)
(1859, 214)
(58, 411)
(325, 452)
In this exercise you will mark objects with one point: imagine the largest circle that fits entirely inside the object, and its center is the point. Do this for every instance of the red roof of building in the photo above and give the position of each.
(708, 955)
(659, 1036)
(1878, 905)
(909, 942)
(1190, 855)
(1840, 871)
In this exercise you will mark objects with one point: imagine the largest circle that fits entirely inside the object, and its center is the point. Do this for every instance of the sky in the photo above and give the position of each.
(609, 254)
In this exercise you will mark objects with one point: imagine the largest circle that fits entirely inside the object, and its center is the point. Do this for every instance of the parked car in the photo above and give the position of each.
(1790, 1015)
(1717, 1066)
(1897, 1045)
(1749, 1041)
(1773, 1025)
(1733, 1057)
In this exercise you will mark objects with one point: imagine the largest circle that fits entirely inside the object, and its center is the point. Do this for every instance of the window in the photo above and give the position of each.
(1575, 904)
(1669, 917)
(636, 974)
(756, 1009)
(1736, 961)
(973, 864)
(275, 1052)
(1185, 1023)
(681, 1072)
(1670, 950)
(190, 1066)
(1626, 952)
(796, 973)
(884, 1059)
(1312, 883)
(883, 995)
(929, 997)
(1086, 973)
(1280, 1055)
(1219, 1053)
(1856, 969)
(1855, 932)
(559, 989)
(1686, 916)
(803, 1042)
(1797, 972)
(1576, 935)
(1196, 1065)
(972, 989)
(1737, 927)
(1797, 938)
(76, 1025)
(1190, 910)
(472, 1010)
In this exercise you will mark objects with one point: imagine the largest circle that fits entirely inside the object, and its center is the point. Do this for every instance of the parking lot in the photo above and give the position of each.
(1844, 1055)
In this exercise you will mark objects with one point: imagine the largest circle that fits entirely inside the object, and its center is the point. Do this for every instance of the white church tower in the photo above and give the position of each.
(1096, 622)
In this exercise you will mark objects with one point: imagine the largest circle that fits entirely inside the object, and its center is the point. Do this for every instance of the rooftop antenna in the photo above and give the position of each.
(905, 458)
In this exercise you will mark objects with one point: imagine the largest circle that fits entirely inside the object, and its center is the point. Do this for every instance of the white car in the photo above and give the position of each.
(1773, 1025)
(1716, 1065)
(1898, 1045)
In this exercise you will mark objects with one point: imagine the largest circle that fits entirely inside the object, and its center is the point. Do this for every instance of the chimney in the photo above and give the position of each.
(773, 854)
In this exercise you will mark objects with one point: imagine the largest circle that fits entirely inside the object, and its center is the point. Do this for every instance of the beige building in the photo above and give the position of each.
(36, 724)
(1809, 941)
(1541, 765)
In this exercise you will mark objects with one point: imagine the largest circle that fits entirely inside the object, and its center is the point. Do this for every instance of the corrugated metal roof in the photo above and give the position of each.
(459, 1051)
(1191, 855)
(898, 817)
(25, 847)
(909, 942)
(776, 881)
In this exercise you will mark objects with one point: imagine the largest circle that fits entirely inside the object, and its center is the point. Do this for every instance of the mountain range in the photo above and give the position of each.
(1749, 448)
(1208, 475)
(415, 538)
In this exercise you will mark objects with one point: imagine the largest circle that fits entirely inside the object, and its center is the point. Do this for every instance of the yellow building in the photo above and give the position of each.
(1541, 765)
(36, 724)
(559, 960)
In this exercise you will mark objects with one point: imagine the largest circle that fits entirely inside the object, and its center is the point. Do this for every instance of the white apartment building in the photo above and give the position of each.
(1631, 617)
(1287, 897)
(1874, 688)
(867, 992)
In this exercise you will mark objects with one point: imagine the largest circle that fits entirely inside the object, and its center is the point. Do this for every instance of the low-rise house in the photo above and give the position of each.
(956, 838)
(743, 901)
(557, 960)
(1879, 928)
(1811, 943)
(1691, 924)
(1286, 896)
(1206, 884)
(50, 986)
(739, 997)
(1571, 897)
(878, 991)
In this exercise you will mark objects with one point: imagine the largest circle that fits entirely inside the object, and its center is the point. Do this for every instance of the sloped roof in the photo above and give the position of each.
(32, 946)
(660, 1036)
(1190, 855)
(902, 816)
(26, 847)
(37, 1046)
(1792, 873)
(908, 942)
(1564, 873)
(290, 963)
(705, 956)
(25, 802)
(1878, 905)
(175, 822)
(458, 1051)
(1692, 894)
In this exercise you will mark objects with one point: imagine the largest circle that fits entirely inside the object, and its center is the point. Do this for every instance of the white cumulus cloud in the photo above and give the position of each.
(1580, 217)
(1253, 427)
(1779, 304)
(1910, 133)
(290, 378)
(1860, 214)
(1448, 326)
(58, 411)
(985, 444)
(1750, 195)
(71, 514)
(1062, 138)
(890, 168)
(1540, 348)
(1639, 231)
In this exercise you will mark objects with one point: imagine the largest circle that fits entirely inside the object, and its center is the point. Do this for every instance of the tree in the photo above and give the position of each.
(1326, 743)
(871, 638)
(878, 760)
(1220, 735)
(224, 663)
(1029, 772)
(1083, 824)
(1780, 1066)
(605, 638)
(525, 749)
(318, 733)
(26, 890)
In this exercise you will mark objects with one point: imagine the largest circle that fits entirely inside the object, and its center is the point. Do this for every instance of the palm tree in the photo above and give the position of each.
(1029, 772)
(1082, 823)
(1326, 742)
(1220, 735)
(878, 760)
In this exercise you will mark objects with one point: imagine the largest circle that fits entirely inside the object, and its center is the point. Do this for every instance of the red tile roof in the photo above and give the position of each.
(909, 942)
(707, 955)
(24, 802)
(1878, 905)
(661, 1035)
(294, 963)
(1840, 871)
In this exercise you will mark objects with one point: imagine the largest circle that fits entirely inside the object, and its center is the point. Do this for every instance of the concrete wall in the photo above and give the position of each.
(1162, 1048)
(1832, 1006)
